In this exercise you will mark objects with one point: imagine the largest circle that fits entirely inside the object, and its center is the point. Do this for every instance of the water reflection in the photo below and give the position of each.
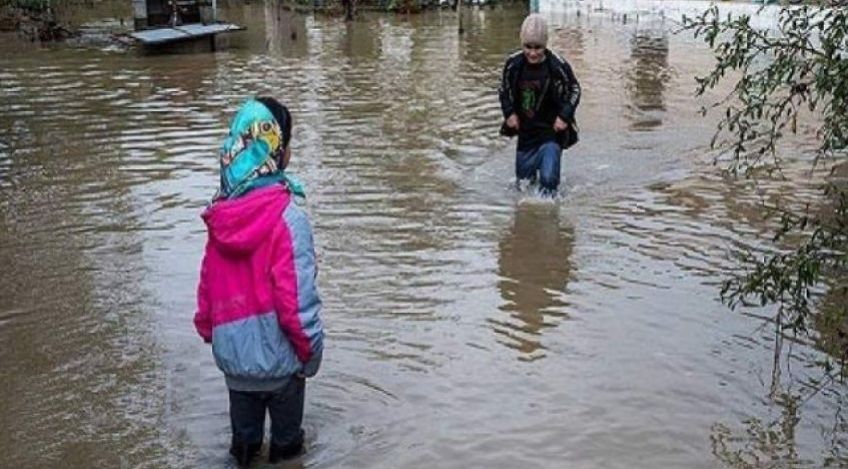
(175, 83)
(534, 267)
(489, 34)
(569, 41)
(806, 387)
(285, 30)
(761, 443)
(791, 428)
(647, 77)
(832, 323)
(359, 42)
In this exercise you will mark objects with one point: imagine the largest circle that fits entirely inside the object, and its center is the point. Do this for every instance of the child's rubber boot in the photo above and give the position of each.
(244, 453)
(277, 453)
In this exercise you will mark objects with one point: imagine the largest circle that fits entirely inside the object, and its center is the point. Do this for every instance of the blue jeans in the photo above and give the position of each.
(285, 406)
(543, 160)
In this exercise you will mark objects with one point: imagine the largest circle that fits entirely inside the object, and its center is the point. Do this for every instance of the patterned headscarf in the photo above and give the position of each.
(250, 153)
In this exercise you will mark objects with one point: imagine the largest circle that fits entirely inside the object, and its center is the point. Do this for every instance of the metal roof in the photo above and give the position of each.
(186, 31)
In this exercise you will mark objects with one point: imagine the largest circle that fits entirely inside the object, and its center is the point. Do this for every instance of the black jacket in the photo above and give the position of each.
(563, 87)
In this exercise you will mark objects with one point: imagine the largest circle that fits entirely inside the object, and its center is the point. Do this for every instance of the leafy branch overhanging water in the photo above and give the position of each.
(796, 70)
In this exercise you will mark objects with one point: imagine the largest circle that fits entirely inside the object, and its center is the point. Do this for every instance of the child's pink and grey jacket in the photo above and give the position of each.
(257, 301)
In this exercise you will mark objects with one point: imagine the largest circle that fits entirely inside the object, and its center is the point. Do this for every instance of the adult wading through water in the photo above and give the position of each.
(539, 95)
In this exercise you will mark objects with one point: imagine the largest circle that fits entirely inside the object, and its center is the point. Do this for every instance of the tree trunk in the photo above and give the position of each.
(459, 15)
(349, 6)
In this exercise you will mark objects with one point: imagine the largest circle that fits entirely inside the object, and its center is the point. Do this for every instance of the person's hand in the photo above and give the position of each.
(512, 121)
(560, 125)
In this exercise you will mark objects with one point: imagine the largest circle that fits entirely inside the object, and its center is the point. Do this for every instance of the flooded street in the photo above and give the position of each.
(468, 324)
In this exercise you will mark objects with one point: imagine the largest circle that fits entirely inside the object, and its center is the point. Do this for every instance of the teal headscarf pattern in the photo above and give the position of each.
(250, 153)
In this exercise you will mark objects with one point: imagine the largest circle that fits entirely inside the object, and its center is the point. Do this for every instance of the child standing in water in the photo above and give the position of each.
(539, 96)
(257, 301)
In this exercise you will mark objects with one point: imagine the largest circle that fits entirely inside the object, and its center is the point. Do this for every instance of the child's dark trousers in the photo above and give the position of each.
(247, 416)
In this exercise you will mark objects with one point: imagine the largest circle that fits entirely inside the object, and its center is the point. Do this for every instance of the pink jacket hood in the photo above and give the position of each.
(239, 226)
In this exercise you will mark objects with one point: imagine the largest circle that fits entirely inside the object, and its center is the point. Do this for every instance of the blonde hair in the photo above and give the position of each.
(534, 30)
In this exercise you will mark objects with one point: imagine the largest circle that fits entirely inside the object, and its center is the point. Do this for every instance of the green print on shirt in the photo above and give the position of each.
(528, 100)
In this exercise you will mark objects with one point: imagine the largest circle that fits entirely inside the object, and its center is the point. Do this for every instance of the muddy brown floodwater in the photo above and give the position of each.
(468, 325)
